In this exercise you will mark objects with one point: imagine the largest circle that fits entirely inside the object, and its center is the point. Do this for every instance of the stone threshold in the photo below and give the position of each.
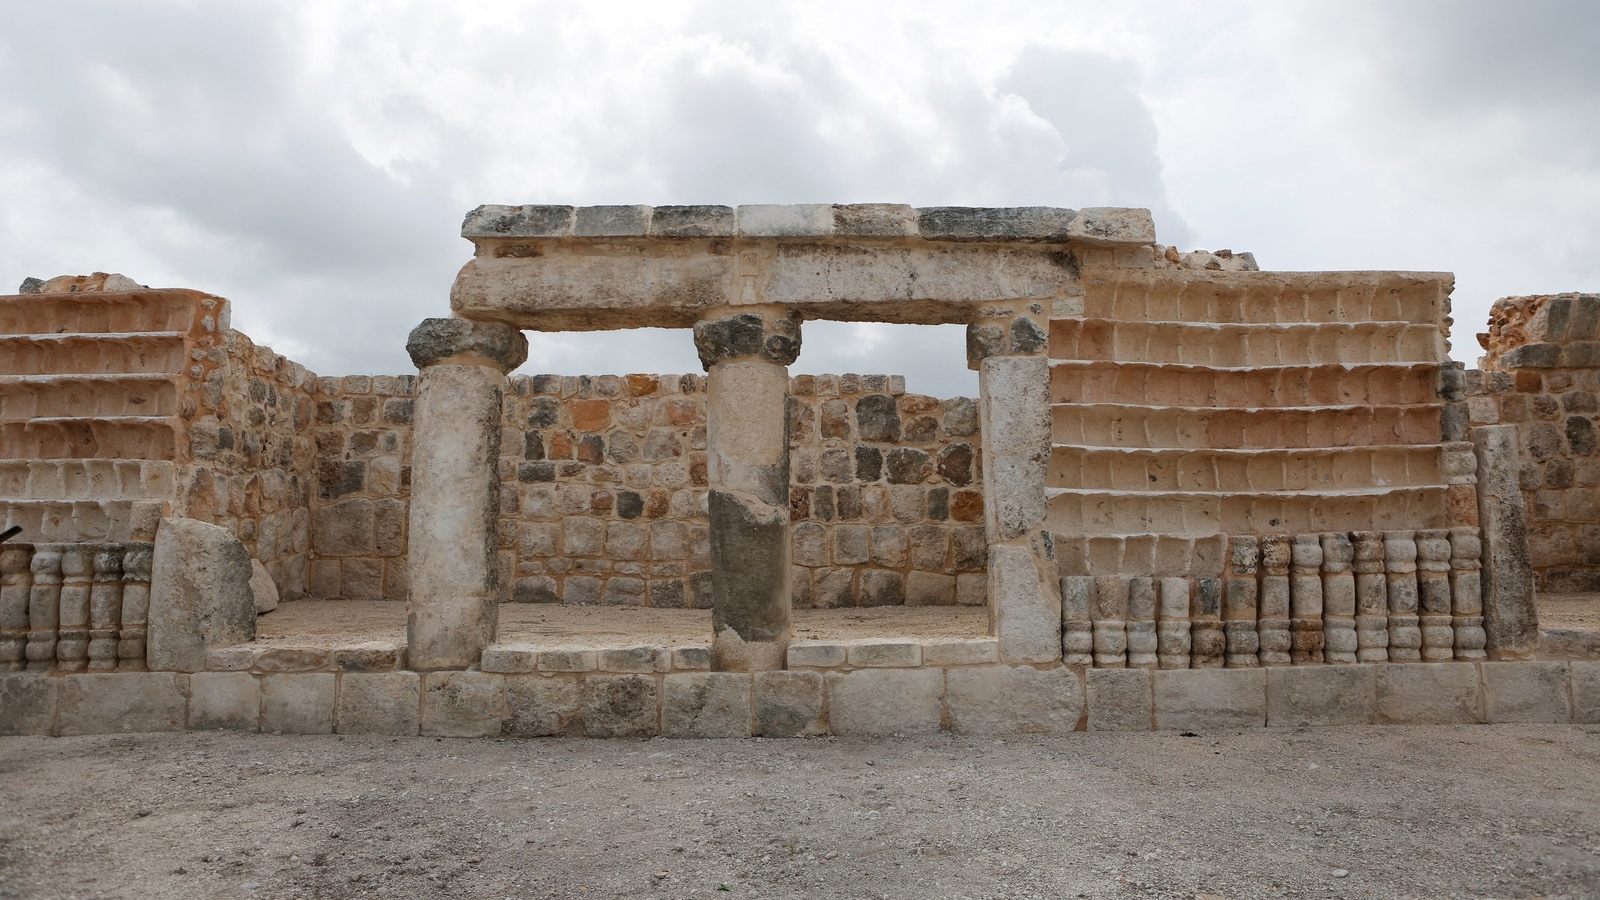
(866, 702)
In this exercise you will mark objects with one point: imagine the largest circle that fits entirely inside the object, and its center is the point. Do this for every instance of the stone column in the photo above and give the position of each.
(137, 562)
(1306, 600)
(1173, 643)
(746, 356)
(1372, 597)
(105, 608)
(1077, 621)
(77, 579)
(1400, 566)
(1272, 608)
(1466, 597)
(455, 488)
(44, 607)
(1338, 599)
(1509, 618)
(16, 581)
(1208, 643)
(1240, 603)
(1142, 640)
(1433, 595)
(1110, 612)
(1007, 347)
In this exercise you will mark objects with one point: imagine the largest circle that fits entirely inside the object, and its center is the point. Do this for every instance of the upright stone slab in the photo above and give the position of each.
(455, 488)
(746, 356)
(199, 595)
(1511, 624)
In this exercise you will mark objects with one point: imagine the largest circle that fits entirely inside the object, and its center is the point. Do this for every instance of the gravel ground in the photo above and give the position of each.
(1498, 811)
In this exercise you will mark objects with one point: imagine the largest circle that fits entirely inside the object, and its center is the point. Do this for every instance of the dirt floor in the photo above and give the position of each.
(1492, 811)
(332, 623)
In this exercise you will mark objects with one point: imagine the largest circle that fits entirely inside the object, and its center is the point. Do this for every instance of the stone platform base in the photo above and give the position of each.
(971, 699)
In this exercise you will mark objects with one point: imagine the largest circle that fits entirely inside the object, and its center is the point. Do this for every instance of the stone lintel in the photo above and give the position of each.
(438, 340)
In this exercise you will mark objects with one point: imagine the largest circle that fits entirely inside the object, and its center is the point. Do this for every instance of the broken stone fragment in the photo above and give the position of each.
(200, 595)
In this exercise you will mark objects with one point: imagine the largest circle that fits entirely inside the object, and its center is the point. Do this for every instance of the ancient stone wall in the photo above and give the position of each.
(604, 481)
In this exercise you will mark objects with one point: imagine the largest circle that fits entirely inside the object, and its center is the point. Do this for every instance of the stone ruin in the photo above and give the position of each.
(1190, 494)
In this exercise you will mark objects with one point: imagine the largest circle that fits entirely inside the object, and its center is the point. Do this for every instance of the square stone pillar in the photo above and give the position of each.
(1510, 620)
(746, 356)
(455, 488)
(1014, 406)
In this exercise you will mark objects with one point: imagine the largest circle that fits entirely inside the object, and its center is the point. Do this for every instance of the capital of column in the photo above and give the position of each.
(773, 336)
(437, 341)
(1004, 331)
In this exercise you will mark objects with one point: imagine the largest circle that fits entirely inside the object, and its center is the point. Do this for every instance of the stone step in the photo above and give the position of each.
(1139, 383)
(1135, 295)
(24, 397)
(88, 437)
(46, 521)
(111, 312)
(88, 479)
(1161, 555)
(1242, 471)
(1200, 513)
(92, 354)
(1246, 346)
(1122, 425)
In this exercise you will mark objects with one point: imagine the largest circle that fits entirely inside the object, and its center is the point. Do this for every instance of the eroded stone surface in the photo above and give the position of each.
(200, 595)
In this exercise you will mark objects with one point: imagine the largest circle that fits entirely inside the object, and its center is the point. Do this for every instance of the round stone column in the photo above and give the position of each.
(455, 488)
(746, 356)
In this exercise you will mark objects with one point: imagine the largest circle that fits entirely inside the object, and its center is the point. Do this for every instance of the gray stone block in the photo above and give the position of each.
(497, 221)
(1201, 699)
(1109, 225)
(436, 339)
(301, 703)
(1020, 700)
(463, 704)
(1428, 694)
(512, 658)
(28, 704)
(960, 651)
(637, 660)
(122, 702)
(1526, 691)
(542, 706)
(230, 700)
(789, 704)
(692, 221)
(380, 703)
(620, 706)
(691, 659)
(884, 654)
(283, 660)
(1321, 695)
(1021, 223)
(706, 705)
(1119, 700)
(369, 656)
(785, 220)
(816, 654)
(1585, 692)
(875, 702)
(611, 221)
(874, 220)
(200, 595)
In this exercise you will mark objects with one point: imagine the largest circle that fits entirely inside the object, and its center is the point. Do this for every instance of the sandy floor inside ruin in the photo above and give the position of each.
(332, 623)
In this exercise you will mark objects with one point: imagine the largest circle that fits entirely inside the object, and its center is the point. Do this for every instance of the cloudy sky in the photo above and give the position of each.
(312, 160)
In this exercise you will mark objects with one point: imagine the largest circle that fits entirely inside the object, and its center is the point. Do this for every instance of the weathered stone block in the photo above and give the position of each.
(884, 654)
(1026, 610)
(299, 703)
(691, 659)
(785, 220)
(1020, 700)
(1321, 695)
(634, 659)
(816, 654)
(789, 704)
(1199, 699)
(1428, 694)
(126, 701)
(619, 706)
(542, 706)
(568, 660)
(1112, 225)
(1525, 692)
(611, 221)
(388, 703)
(1119, 700)
(960, 651)
(885, 701)
(369, 656)
(28, 704)
(200, 595)
(1585, 692)
(706, 705)
(463, 704)
(510, 658)
(1023, 223)
(231, 659)
(230, 700)
(280, 660)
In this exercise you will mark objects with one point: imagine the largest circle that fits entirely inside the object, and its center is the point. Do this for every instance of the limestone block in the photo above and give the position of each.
(1119, 700)
(611, 221)
(276, 660)
(880, 653)
(122, 702)
(1526, 691)
(1585, 692)
(531, 221)
(1015, 408)
(300, 703)
(960, 651)
(874, 220)
(785, 220)
(463, 704)
(1014, 700)
(231, 659)
(228, 700)
(1112, 226)
(1024, 607)
(28, 704)
(369, 656)
(509, 658)
(817, 654)
(1511, 622)
(387, 703)
(641, 660)
(620, 706)
(691, 659)
(1023, 223)
(1208, 699)
(263, 590)
(200, 595)
(568, 660)
(876, 702)
(542, 706)
(1321, 695)
(706, 705)
(789, 704)
(1429, 694)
